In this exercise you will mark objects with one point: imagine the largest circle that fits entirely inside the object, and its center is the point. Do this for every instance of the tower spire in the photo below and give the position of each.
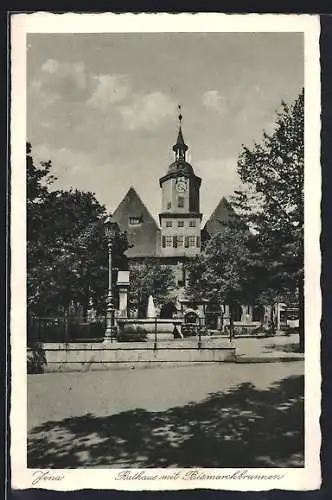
(180, 147)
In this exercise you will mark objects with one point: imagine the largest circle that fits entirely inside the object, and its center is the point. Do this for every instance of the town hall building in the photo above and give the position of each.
(179, 234)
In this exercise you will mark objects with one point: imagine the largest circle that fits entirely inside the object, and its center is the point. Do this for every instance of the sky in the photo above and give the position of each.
(103, 107)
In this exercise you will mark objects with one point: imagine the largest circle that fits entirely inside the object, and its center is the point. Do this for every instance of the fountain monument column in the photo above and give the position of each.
(123, 285)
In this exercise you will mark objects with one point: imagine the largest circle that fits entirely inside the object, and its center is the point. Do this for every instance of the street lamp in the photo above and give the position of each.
(110, 230)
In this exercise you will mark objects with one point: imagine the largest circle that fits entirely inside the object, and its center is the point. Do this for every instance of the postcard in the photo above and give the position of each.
(165, 276)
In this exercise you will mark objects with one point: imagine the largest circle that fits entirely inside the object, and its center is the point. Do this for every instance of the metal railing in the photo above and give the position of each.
(67, 329)
(64, 329)
(160, 331)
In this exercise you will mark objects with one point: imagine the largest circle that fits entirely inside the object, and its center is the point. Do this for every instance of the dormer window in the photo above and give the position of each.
(135, 221)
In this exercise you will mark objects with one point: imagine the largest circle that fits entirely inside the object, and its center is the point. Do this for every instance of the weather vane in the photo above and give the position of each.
(180, 115)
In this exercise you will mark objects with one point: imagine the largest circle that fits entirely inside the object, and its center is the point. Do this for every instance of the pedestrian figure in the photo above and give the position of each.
(177, 333)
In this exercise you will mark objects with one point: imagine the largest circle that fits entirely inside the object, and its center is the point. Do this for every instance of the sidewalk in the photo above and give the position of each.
(266, 350)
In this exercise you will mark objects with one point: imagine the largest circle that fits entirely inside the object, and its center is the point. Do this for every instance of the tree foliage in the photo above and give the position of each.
(258, 257)
(149, 278)
(272, 200)
(272, 203)
(220, 274)
(67, 252)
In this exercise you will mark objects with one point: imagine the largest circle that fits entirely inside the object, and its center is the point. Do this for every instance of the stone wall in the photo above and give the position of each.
(85, 357)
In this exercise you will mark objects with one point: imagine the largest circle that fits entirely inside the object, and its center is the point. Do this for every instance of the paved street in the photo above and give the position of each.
(226, 415)
(277, 347)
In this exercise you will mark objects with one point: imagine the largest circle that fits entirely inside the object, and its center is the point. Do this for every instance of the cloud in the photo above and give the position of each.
(84, 171)
(50, 66)
(213, 100)
(58, 81)
(73, 82)
(148, 111)
(109, 89)
(41, 95)
(76, 72)
(67, 84)
(64, 160)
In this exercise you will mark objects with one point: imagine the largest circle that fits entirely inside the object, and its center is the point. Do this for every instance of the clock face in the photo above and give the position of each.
(181, 186)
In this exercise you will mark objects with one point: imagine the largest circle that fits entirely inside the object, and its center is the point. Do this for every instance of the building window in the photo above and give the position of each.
(180, 202)
(180, 223)
(169, 241)
(168, 223)
(180, 241)
(198, 242)
(169, 205)
(135, 221)
(192, 223)
(192, 241)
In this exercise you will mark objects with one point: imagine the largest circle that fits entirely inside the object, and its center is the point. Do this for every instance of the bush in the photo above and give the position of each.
(36, 359)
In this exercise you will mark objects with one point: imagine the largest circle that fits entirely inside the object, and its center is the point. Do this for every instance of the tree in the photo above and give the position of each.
(67, 247)
(38, 179)
(220, 273)
(272, 203)
(149, 278)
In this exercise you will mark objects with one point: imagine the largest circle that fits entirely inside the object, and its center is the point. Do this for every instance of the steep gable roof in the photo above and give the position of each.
(222, 214)
(133, 217)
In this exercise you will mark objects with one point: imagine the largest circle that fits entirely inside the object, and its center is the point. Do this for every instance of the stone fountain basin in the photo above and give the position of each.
(165, 327)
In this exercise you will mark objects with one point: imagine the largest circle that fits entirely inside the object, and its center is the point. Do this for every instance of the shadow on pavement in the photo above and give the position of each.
(244, 427)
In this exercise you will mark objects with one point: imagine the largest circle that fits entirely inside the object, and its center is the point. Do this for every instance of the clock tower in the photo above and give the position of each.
(180, 218)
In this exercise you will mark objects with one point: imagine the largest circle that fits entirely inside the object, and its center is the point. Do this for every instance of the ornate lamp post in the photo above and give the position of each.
(110, 230)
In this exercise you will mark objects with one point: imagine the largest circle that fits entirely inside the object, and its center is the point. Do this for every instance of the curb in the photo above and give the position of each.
(261, 359)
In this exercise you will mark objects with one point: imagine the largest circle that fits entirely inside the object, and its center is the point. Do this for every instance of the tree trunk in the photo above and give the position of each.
(85, 304)
(142, 306)
(301, 315)
(273, 326)
(85, 309)
(221, 314)
(66, 325)
(231, 322)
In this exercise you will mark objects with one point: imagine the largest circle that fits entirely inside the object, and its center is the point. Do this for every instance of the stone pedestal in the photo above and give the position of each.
(226, 315)
(123, 302)
(123, 285)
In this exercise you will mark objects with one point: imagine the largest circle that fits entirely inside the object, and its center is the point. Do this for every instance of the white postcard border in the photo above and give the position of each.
(74, 479)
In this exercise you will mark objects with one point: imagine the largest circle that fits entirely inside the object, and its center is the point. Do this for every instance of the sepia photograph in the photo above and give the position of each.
(166, 291)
